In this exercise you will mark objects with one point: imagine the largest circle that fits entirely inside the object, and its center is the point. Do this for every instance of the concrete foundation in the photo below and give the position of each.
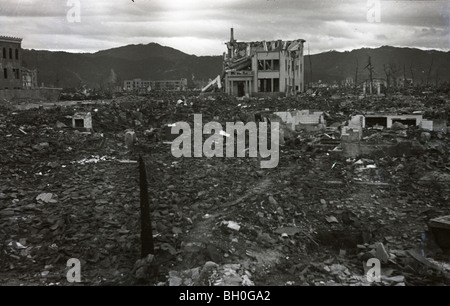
(406, 148)
(82, 121)
(40, 94)
(303, 119)
(388, 120)
(441, 231)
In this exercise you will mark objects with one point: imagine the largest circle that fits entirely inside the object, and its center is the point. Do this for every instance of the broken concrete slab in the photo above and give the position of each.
(441, 230)
(130, 138)
(399, 126)
(47, 198)
(381, 253)
(351, 134)
(303, 119)
(426, 125)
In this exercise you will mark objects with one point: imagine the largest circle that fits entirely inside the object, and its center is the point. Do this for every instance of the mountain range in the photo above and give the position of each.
(388, 63)
(156, 62)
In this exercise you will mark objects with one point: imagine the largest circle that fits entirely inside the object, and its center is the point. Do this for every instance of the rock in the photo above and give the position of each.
(192, 247)
(46, 198)
(273, 202)
(60, 124)
(289, 230)
(265, 237)
(41, 146)
(209, 265)
(207, 270)
(141, 273)
(394, 279)
(53, 165)
(398, 126)
(332, 219)
(214, 253)
(233, 225)
(368, 255)
(425, 136)
(174, 280)
(381, 253)
(130, 138)
(246, 281)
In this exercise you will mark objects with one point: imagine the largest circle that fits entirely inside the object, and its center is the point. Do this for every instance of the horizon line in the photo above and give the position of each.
(322, 52)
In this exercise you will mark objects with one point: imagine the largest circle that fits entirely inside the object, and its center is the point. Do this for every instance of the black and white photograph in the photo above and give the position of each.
(243, 145)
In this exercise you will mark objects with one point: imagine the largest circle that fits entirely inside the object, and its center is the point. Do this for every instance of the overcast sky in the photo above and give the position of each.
(201, 27)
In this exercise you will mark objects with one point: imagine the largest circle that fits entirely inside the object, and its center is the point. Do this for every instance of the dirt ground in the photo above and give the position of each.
(314, 220)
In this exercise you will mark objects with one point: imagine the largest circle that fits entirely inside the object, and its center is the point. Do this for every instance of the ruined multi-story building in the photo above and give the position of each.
(264, 67)
(146, 85)
(10, 62)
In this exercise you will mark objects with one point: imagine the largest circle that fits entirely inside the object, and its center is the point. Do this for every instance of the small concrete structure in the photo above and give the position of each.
(387, 120)
(426, 125)
(440, 125)
(354, 130)
(437, 125)
(351, 134)
(441, 230)
(302, 119)
(129, 138)
(356, 121)
(82, 121)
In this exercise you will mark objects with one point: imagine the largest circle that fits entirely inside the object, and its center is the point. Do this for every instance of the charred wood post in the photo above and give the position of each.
(147, 246)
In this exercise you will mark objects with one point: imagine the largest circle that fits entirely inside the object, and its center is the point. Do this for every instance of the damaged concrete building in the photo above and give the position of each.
(16, 81)
(264, 68)
(10, 62)
(143, 86)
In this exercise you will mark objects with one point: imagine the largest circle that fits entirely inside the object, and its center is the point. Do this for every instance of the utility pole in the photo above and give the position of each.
(356, 78)
(310, 66)
(147, 246)
(404, 76)
(370, 68)
(429, 70)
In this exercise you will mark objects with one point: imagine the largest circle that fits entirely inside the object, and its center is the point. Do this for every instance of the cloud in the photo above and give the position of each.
(201, 27)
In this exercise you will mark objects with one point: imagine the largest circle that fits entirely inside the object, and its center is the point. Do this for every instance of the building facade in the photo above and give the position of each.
(29, 78)
(10, 63)
(147, 86)
(264, 68)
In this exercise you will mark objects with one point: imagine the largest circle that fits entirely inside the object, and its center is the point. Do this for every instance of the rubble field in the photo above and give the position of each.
(315, 219)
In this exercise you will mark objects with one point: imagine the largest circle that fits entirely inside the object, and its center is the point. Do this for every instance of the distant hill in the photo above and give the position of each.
(412, 63)
(150, 62)
(156, 62)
